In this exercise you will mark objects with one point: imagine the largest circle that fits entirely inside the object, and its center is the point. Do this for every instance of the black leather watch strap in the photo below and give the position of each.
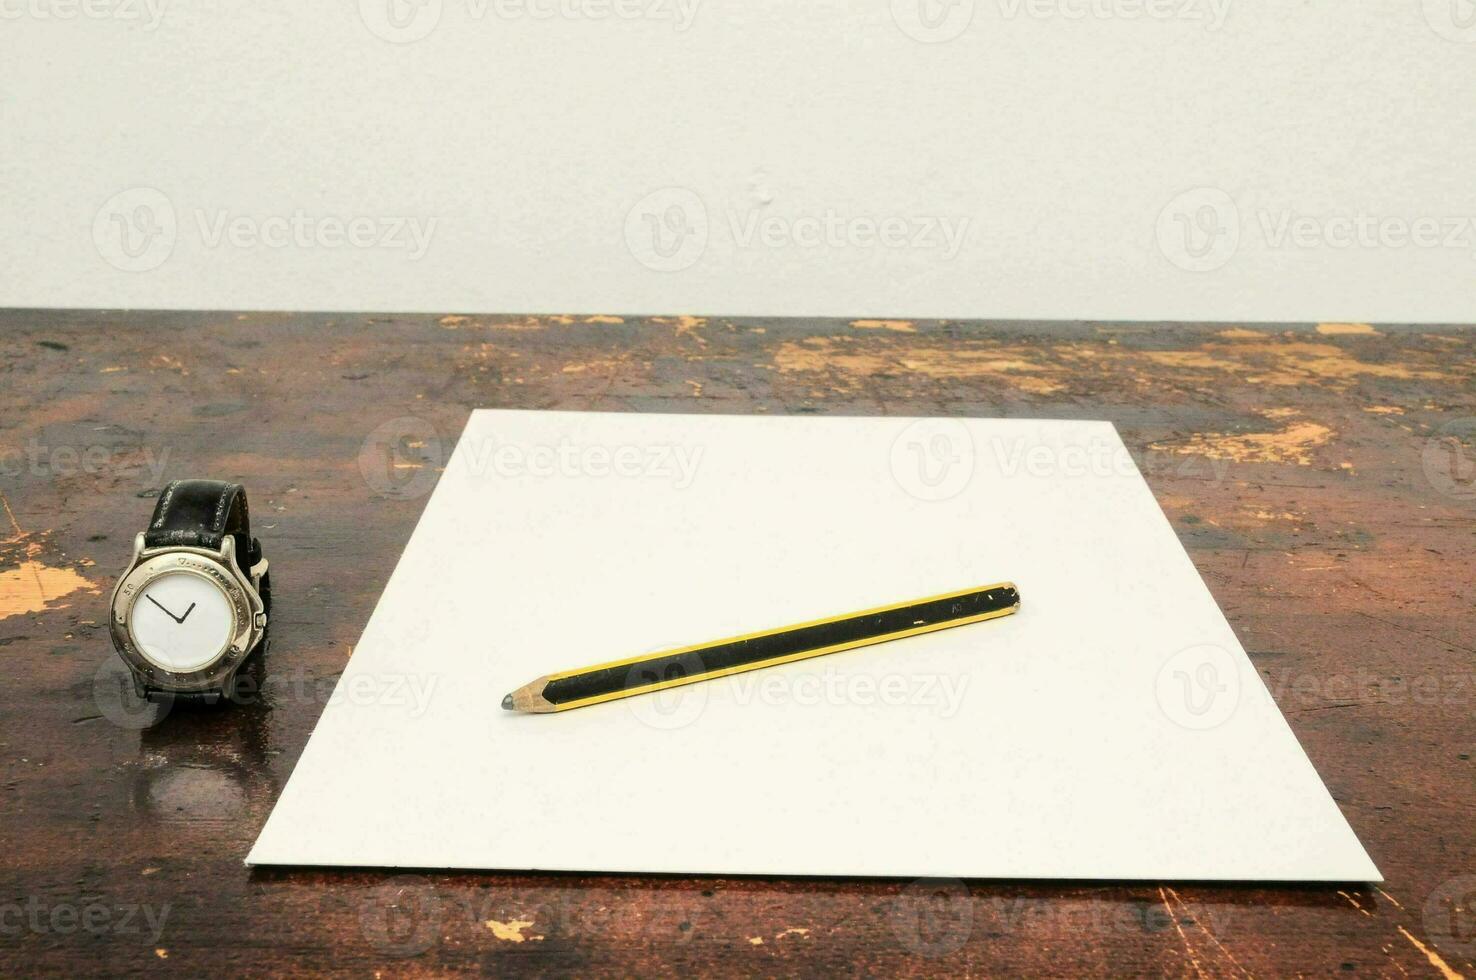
(160, 695)
(200, 514)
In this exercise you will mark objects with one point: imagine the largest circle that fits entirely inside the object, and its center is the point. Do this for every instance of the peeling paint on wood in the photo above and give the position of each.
(33, 587)
(513, 931)
(1292, 444)
(1435, 959)
(1344, 329)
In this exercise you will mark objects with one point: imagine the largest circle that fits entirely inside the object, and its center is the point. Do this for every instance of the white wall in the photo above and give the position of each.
(1092, 157)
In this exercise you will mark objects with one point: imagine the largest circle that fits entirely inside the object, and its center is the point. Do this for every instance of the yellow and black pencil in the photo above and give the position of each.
(751, 651)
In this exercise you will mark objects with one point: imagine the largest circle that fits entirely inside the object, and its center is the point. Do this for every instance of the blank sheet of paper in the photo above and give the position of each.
(1112, 728)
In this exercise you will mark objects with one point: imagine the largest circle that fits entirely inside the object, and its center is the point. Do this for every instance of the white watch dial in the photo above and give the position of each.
(182, 621)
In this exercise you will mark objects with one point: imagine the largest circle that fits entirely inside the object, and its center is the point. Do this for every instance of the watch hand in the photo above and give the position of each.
(187, 613)
(177, 619)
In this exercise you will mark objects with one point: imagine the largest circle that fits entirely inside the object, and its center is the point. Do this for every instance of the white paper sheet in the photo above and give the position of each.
(1113, 728)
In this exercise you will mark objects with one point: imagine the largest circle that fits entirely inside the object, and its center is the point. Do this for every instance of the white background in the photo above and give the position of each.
(527, 149)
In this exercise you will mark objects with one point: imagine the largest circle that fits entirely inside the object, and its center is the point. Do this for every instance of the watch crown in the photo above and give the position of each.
(260, 620)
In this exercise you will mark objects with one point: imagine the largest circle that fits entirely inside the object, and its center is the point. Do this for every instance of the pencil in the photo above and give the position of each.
(751, 651)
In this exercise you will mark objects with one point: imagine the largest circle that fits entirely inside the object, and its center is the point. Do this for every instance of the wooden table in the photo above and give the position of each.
(1315, 474)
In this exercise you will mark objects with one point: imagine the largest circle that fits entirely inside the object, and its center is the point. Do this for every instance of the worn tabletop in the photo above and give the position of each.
(1322, 477)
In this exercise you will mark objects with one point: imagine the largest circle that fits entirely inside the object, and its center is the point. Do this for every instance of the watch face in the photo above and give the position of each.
(182, 621)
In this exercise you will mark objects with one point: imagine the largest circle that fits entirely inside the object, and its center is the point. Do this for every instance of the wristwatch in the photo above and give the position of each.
(193, 603)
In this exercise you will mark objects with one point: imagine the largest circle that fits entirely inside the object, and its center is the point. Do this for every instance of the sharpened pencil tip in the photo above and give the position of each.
(507, 704)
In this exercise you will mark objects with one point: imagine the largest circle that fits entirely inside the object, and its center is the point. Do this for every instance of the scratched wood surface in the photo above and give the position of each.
(1321, 476)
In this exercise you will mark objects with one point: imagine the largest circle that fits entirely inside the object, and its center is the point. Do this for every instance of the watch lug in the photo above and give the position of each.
(135, 558)
(228, 550)
(228, 684)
